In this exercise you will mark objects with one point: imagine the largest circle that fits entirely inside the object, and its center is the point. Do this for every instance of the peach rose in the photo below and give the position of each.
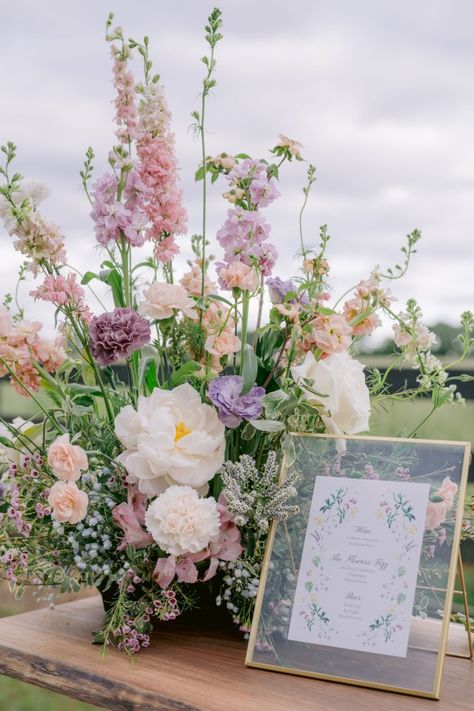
(66, 459)
(222, 345)
(435, 514)
(238, 275)
(448, 491)
(68, 502)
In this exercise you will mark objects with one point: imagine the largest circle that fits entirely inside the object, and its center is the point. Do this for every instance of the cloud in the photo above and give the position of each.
(380, 94)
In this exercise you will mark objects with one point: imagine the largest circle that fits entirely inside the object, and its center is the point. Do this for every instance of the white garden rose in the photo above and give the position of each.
(341, 379)
(171, 438)
(181, 522)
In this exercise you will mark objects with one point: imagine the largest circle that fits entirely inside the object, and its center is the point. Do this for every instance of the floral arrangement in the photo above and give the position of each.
(150, 468)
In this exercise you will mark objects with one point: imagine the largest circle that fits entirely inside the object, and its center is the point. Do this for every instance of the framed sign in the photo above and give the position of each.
(358, 586)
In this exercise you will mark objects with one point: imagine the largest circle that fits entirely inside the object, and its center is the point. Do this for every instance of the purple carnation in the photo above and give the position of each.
(113, 336)
(224, 393)
(278, 289)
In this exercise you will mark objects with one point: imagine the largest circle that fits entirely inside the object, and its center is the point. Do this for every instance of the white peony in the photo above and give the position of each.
(180, 522)
(171, 438)
(341, 379)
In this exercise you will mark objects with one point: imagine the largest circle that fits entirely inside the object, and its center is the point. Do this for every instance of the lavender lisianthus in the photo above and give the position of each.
(225, 394)
(115, 335)
(279, 288)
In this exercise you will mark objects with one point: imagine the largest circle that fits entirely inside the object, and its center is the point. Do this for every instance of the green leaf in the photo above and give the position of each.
(185, 372)
(288, 448)
(273, 402)
(436, 499)
(151, 376)
(114, 280)
(199, 174)
(89, 276)
(268, 425)
(249, 369)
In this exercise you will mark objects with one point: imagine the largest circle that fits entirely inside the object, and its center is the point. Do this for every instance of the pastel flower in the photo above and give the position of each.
(192, 282)
(225, 394)
(114, 336)
(344, 400)
(69, 504)
(223, 160)
(238, 276)
(361, 317)
(294, 147)
(447, 491)
(125, 517)
(278, 289)
(171, 438)
(436, 513)
(66, 460)
(166, 249)
(162, 300)
(221, 345)
(331, 334)
(181, 522)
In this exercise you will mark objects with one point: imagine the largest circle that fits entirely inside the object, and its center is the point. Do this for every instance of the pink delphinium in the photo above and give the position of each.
(59, 290)
(124, 83)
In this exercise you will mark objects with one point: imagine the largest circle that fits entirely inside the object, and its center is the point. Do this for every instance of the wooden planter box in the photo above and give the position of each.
(188, 670)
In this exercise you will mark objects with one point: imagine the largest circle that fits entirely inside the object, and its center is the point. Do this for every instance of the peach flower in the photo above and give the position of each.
(68, 502)
(222, 345)
(162, 300)
(66, 459)
(447, 491)
(332, 333)
(238, 275)
(435, 514)
(192, 282)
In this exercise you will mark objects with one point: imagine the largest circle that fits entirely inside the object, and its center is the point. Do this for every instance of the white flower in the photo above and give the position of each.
(172, 438)
(341, 379)
(181, 522)
(12, 454)
(162, 300)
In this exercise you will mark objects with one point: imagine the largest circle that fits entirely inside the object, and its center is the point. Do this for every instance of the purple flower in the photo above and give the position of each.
(278, 289)
(115, 335)
(224, 393)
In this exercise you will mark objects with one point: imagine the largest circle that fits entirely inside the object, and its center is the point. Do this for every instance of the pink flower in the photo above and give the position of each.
(166, 249)
(162, 300)
(127, 519)
(66, 460)
(294, 147)
(435, 514)
(192, 282)
(223, 344)
(361, 317)
(124, 82)
(69, 504)
(447, 491)
(238, 275)
(59, 290)
(332, 334)
(5, 322)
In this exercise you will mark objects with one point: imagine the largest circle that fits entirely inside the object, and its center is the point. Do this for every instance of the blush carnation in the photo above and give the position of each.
(181, 522)
(162, 300)
(69, 504)
(66, 460)
(115, 335)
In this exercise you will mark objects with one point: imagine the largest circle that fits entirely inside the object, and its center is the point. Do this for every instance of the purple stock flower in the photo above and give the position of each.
(278, 289)
(224, 393)
(116, 335)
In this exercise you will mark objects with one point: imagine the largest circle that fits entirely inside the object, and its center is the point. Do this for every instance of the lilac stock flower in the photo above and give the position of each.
(116, 335)
(224, 393)
(278, 289)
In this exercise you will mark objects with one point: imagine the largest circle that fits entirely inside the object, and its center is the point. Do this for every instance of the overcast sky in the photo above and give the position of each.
(380, 93)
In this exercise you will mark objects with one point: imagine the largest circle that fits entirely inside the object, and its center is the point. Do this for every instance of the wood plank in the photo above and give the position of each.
(184, 670)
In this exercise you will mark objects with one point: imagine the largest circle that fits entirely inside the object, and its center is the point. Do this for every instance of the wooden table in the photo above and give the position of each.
(185, 670)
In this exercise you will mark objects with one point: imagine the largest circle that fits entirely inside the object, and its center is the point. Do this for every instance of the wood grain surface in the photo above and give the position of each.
(185, 669)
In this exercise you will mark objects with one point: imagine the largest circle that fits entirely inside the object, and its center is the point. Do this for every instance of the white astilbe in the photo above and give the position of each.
(257, 497)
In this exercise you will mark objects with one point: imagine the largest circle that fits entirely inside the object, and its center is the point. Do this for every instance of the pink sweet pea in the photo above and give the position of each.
(127, 519)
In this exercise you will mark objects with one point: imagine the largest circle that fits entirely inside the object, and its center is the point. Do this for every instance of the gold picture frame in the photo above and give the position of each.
(265, 656)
